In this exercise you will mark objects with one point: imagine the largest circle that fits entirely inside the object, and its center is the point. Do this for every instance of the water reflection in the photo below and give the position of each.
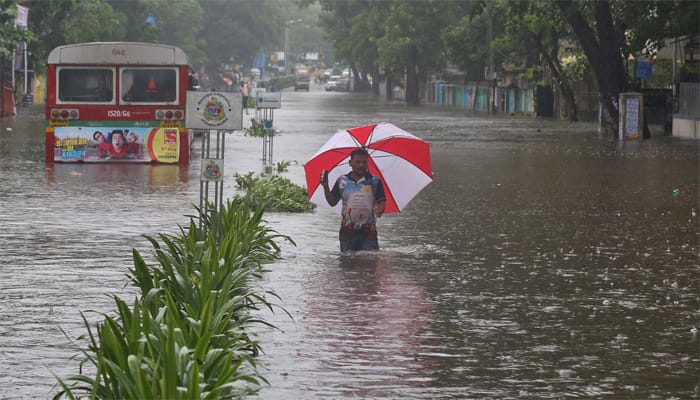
(370, 323)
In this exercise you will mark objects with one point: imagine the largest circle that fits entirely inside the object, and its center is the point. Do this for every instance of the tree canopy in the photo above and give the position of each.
(211, 32)
(401, 41)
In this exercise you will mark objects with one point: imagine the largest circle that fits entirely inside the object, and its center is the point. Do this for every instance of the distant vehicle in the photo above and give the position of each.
(333, 84)
(327, 73)
(255, 73)
(302, 78)
(301, 84)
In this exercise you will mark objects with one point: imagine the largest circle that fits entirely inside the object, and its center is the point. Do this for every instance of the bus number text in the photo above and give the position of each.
(118, 52)
(118, 113)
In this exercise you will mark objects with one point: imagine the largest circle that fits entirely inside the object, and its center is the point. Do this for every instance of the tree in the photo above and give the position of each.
(349, 27)
(466, 42)
(61, 22)
(10, 35)
(617, 29)
(237, 29)
(537, 26)
(400, 38)
(602, 47)
(177, 24)
(133, 24)
(411, 29)
(365, 32)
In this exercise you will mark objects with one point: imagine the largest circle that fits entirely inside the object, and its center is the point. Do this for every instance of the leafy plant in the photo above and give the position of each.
(283, 165)
(273, 193)
(257, 129)
(186, 335)
(251, 102)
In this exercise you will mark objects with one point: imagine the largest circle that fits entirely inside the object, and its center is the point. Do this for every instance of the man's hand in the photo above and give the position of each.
(379, 208)
(324, 178)
(332, 201)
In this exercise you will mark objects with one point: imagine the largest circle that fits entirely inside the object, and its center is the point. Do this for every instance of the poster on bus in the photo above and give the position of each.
(110, 144)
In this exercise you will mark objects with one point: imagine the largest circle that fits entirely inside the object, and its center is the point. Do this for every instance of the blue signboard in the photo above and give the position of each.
(642, 70)
(259, 62)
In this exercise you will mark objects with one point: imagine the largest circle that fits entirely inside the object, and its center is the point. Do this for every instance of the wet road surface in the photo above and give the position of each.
(542, 262)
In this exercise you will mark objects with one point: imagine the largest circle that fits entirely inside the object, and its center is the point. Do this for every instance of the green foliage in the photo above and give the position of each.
(236, 30)
(59, 22)
(10, 36)
(273, 193)
(662, 76)
(257, 129)
(251, 103)
(466, 45)
(187, 335)
(282, 166)
(177, 24)
(392, 35)
(575, 68)
(648, 25)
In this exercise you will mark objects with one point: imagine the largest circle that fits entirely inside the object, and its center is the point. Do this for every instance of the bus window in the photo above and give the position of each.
(149, 85)
(92, 85)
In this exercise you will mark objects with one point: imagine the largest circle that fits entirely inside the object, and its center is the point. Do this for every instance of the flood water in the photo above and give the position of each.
(543, 262)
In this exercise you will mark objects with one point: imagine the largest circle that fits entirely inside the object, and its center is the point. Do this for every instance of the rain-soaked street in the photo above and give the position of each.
(543, 262)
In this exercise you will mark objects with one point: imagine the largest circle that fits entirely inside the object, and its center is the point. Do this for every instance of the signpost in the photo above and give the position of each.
(631, 120)
(266, 103)
(217, 113)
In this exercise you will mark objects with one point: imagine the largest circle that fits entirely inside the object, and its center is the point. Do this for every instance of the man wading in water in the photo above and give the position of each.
(363, 200)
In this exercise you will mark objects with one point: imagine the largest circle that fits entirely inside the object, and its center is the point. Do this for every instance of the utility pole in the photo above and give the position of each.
(286, 48)
(492, 74)
(286, 44)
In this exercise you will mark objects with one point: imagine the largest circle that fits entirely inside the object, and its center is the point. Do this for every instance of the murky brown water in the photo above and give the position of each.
(543, 262)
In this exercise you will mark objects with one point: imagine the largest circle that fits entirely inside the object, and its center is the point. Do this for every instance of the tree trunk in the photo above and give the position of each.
(564, 87)
(389, 87)
(375, 80)
(602, 48)
(356, 78)
(412, 96)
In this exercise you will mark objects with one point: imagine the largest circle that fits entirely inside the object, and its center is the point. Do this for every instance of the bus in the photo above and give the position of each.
(118, 102)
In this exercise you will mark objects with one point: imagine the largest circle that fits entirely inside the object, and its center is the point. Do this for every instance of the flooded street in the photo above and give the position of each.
(543, 261)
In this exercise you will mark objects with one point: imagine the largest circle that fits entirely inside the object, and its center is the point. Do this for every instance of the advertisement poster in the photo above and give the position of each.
(632, 118)
(109, 144)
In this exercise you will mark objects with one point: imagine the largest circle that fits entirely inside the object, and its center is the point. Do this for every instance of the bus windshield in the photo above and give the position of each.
(148, 85)
(94, 85)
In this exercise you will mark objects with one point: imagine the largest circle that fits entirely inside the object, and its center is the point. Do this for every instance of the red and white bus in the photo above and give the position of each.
(117, 102)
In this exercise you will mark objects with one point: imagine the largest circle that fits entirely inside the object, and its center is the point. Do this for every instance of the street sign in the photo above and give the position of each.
(643, 70)
(269, 100)
(214, 110)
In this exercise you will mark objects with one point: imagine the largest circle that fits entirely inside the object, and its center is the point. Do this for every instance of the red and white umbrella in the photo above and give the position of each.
(398, 158)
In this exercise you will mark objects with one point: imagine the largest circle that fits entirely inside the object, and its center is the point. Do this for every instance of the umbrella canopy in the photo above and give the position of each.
(398, 158)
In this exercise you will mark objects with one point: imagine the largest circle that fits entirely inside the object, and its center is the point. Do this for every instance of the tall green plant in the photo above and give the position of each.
(188, 333)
